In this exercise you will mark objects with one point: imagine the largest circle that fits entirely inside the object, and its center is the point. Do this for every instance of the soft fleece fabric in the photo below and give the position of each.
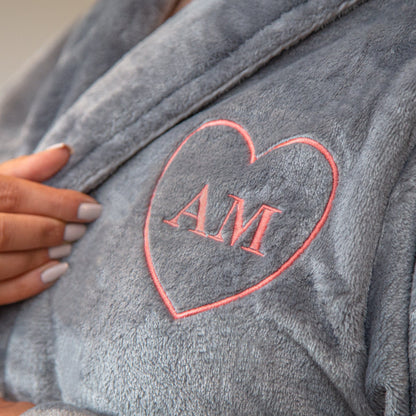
(303, 110)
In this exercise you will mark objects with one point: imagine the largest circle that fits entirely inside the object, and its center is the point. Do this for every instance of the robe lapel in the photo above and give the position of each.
(190, 60)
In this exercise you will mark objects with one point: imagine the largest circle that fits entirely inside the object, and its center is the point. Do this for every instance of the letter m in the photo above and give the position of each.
(263, 215)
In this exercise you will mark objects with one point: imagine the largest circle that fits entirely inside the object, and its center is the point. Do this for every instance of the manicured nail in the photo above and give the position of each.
(53, 273)
(60, 146)
(60, 251)
(89, 212)
(74, 232)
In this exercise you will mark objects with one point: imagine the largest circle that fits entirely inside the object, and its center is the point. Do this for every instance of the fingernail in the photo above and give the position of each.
(53, 273)
(60, 251)
(74, 232)
(60, 146)
(89, 212)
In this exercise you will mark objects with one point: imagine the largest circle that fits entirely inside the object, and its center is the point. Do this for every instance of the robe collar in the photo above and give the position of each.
(186, 63)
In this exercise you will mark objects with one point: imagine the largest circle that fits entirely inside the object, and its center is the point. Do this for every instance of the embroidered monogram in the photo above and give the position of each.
(265, 213)
(224, 222)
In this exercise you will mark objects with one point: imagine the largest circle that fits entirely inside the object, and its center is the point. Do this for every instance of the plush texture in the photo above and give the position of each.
(333, 331)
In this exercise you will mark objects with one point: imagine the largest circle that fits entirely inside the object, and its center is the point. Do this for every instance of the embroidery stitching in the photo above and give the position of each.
(200, 217)
(265, 211)
(202, 197)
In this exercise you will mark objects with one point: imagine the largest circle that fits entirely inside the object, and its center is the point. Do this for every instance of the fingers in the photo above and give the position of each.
(40, 166)
(31, 283)
(20, 194)
(16, 263)
(23, 196)
(35, 223)
(27, 232)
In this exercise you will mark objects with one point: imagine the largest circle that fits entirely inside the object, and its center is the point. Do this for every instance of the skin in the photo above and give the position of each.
(13, 408)
(40, 213)
(179, 5)
(32, 219)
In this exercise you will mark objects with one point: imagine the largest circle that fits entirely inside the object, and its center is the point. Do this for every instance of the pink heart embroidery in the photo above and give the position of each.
(252, 159)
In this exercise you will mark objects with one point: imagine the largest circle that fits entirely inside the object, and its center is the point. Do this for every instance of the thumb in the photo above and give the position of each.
(40, 166)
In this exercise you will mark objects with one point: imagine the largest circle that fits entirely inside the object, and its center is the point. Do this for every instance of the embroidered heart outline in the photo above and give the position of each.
(253, 158)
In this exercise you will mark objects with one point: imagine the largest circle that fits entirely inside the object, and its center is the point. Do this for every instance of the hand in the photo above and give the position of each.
(37, 223)
(13, 408)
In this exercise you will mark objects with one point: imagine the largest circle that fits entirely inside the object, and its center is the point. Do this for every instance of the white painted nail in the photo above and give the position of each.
(89, 212)
(74, 232)
(53, 273)
(60, 251)
(56, 146)
(60, 146)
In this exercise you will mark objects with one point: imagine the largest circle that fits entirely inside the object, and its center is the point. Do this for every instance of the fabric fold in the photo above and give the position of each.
(151, 96)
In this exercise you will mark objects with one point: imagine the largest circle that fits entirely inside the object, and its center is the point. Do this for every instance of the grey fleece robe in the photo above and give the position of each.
(256, 161)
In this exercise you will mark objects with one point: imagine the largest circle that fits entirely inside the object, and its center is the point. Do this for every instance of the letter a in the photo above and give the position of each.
(266, 213)
(202, 198)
